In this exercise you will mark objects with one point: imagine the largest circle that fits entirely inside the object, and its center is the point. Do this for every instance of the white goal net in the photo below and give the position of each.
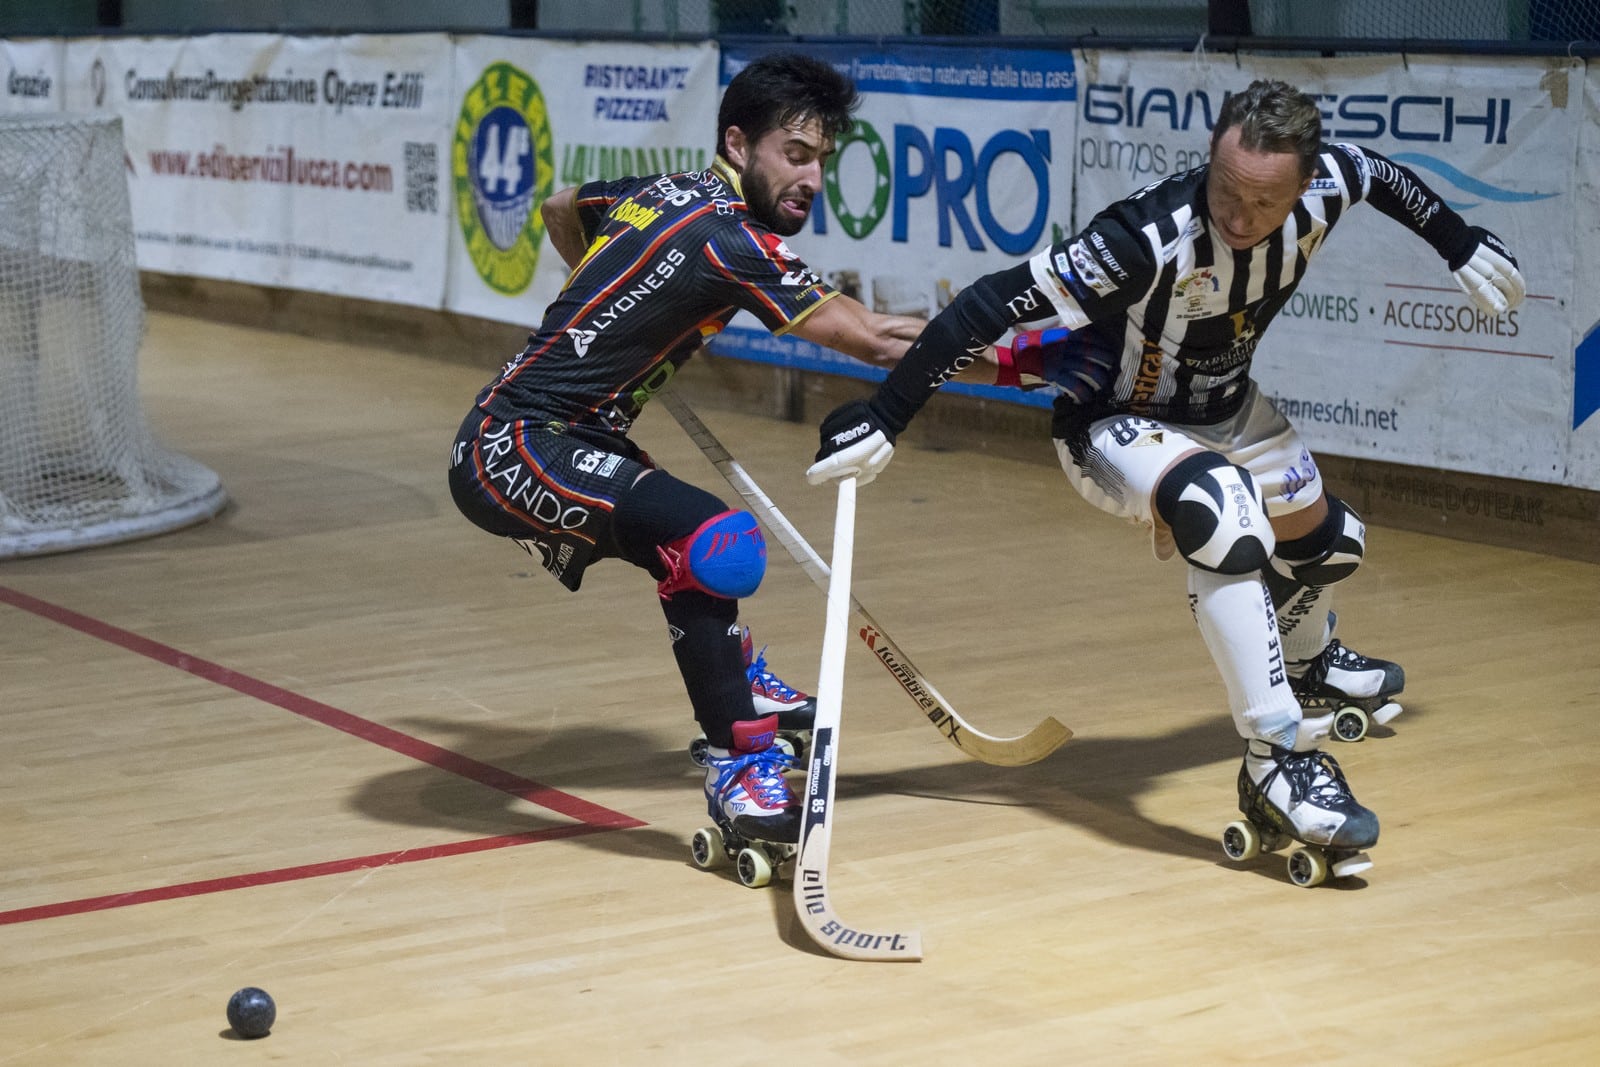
(78, 464)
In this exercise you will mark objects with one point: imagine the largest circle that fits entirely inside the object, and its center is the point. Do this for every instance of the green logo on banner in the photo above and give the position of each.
(858, 226)
(503, 167)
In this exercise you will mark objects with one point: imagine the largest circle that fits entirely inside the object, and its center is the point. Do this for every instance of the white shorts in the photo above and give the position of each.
(1127, 454)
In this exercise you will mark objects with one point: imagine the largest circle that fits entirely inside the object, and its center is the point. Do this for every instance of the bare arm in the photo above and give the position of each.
(845, 325)
(561, 222)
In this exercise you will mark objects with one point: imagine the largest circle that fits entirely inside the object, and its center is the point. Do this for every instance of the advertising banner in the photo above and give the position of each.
(531, 117)
(959, 163)
(1378, 354)
(304, 162)
(32, 70)
(1584, 461)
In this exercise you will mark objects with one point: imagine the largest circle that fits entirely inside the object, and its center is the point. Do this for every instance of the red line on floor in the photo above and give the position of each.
(291, 874)
(422, 751)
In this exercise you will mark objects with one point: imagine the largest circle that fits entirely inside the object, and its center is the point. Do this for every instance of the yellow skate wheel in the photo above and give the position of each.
(1350, 723)
(706, 849)
(1307, 867)
(755, 870)
(1241, 841)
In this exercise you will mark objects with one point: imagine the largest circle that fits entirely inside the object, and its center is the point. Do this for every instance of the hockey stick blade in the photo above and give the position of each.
(1031, 747)
(811, 899)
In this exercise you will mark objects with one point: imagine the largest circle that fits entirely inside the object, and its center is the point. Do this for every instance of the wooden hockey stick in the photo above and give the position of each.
(811, 899)
(1031, 747)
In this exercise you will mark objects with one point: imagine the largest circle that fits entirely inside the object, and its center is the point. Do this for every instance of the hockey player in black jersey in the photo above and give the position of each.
(1161, 301)
(659, 264)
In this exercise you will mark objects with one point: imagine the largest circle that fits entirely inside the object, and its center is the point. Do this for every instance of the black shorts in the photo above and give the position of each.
(549, 486)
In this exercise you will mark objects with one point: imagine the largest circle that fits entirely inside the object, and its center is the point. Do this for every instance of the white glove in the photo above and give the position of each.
(855, 443)
(1490, 276)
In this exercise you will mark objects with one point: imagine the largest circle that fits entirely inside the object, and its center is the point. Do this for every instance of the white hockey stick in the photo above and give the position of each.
(1031, 747)
(816, 831)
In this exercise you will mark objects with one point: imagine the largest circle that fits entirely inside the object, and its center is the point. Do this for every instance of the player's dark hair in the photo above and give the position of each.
(784, 88)
(1273, 116)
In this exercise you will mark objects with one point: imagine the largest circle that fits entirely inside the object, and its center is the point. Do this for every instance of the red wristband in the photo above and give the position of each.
(1007, 373)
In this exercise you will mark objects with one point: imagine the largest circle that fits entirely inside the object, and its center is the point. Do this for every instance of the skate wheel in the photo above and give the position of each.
(755, 870)
(698, 749)
(706, 849)
(1346, 866)
(798, 742)
(1307, 867)
(1350, 724)
(1385, 713)
(1241, 841)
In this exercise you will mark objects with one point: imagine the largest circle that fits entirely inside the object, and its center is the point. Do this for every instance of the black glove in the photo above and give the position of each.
(856, 443)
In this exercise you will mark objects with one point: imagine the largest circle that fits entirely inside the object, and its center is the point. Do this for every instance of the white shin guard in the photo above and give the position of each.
(1240, 629)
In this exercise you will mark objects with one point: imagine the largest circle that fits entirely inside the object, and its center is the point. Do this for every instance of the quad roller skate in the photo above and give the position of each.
(771, 696)
(1358, 690)
(756, 819)
(1300, 797)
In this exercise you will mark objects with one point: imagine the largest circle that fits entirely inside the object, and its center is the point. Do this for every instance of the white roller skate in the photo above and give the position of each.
(1300, 796)
(1358, 690)
(756, 815)
(795, 710)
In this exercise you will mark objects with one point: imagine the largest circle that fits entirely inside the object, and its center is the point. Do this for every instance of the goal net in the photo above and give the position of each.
(78, 464)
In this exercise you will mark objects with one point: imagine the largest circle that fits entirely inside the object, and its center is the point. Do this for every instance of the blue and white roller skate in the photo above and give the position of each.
(756, 814)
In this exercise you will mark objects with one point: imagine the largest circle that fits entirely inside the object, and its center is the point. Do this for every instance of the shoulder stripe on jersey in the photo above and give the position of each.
(721, 264)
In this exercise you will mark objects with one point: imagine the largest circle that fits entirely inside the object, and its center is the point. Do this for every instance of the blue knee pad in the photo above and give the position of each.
(725, 556)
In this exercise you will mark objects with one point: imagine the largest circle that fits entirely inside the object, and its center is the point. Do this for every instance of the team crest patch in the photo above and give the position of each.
(1155, 437)
(503, 167)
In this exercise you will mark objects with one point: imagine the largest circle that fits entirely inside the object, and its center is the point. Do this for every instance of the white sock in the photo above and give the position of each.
(1241, 631)
(1303, 623)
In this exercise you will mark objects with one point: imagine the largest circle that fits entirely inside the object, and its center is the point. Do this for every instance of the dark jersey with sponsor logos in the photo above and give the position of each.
(1148, 289)
(671, 259)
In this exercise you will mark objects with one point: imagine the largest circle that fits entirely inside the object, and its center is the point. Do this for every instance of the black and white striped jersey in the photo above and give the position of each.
(1149, 290)
(1180, 312)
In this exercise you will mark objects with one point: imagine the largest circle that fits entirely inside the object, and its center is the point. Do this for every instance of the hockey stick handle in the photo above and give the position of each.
(813, 901)
(830, 679)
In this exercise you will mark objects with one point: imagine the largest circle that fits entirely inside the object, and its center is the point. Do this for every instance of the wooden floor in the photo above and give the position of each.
(339, 744)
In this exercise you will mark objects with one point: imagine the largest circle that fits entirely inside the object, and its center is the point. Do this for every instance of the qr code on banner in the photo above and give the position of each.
(422, 177)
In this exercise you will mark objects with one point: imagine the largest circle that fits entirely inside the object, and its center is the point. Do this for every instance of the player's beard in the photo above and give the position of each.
(764, 204)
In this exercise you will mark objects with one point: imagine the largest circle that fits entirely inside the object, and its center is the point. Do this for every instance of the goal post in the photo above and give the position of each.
(78, 463)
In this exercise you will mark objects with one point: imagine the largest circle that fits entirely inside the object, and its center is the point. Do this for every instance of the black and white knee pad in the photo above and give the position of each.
(1330, 553)
(1214, 509)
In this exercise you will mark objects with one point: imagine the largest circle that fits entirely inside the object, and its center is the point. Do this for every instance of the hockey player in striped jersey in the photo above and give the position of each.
(1161, 301)
(660, 264)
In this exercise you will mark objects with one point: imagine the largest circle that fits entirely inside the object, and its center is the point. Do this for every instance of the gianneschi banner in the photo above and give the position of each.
(1378, 354)
(305, 162)
(959, 163)
(531, 117)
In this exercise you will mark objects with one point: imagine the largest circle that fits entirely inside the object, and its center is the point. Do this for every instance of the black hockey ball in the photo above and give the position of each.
(251, 1012)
